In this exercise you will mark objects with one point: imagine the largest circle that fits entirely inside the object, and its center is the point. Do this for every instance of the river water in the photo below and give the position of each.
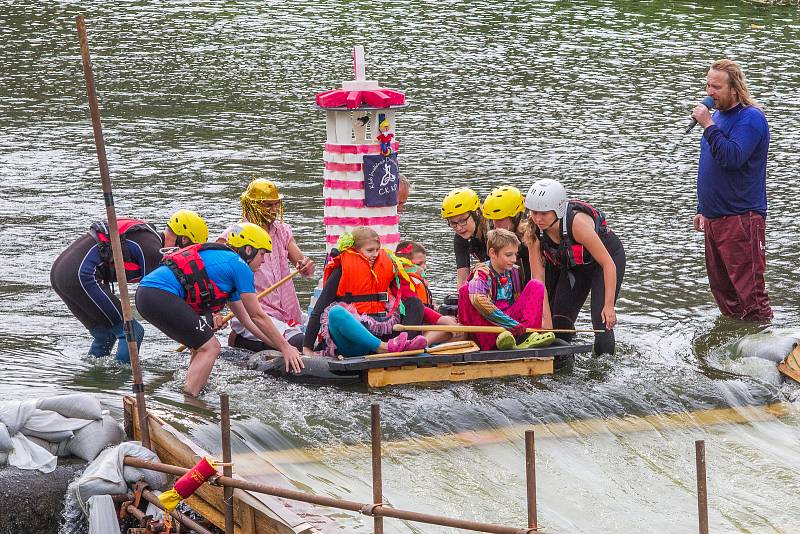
(197, 97)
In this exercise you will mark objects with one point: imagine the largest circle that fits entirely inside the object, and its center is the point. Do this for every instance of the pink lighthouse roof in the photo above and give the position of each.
(361, 93)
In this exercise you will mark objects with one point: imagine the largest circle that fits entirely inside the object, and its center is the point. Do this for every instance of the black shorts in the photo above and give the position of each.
(173, 316)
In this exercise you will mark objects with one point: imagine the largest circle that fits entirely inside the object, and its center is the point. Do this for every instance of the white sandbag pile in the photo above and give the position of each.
(33, 433)
(87, 500)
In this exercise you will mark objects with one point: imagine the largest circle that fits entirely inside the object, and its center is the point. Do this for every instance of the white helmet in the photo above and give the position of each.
(547, 195)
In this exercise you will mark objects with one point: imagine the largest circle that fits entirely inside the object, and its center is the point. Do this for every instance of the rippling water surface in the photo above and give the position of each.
(198, 97)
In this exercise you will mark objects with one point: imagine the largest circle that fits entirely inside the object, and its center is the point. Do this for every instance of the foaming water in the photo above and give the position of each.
(197, 97)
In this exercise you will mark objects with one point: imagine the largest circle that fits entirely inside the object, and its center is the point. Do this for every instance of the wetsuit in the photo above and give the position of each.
(469, 249)
(161, 299)
(571, 274)
(80, 277)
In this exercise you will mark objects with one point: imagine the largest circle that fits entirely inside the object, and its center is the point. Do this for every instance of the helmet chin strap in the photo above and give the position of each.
(247, 257)
(552, 223)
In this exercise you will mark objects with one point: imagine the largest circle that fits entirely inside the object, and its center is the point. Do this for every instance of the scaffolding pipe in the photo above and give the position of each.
(227, 469)
(364, 508)
(377, 479)
(702, 489)
(530, 477)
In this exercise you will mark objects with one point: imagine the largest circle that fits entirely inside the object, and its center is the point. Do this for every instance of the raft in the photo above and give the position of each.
(376, 372)
(790, 366)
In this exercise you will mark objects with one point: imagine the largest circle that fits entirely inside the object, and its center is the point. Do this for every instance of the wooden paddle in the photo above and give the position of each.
(261, 295)
(475, 329)
(454, 347)
(790, 366)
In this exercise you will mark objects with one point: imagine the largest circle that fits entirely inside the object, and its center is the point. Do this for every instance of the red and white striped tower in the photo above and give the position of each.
(352, 126)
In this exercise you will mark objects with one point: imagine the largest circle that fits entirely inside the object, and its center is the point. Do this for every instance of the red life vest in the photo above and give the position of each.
(368, 289)
(202, 294)
(568, 253)
(100, 232)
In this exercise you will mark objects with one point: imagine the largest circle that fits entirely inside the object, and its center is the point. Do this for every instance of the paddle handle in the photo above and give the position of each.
(476, 329)
(430, 350)
(259, 296)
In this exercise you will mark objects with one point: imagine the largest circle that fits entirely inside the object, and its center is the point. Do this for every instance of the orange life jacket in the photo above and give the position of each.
(367, 289)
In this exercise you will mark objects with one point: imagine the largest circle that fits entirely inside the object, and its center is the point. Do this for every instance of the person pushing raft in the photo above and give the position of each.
(262, 204)
(83, 273)
(575, 253)
(504, 208)
(179, 297)
(461, 208)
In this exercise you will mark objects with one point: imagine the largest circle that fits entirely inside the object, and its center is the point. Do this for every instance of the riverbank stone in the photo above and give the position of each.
(32, 501)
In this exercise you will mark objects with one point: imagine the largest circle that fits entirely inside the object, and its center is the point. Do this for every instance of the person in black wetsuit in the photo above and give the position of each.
(461, 208)
(575, 253)
(83, 273)
(504, 208)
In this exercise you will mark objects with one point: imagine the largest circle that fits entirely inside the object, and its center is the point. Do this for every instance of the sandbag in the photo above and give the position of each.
(60, 449)
(106, 475)
(3, 458)
(14, 414)
(5, 439)
(102, 516)
(96, 436)
(77, 406)
(29, 455)
(56, 436)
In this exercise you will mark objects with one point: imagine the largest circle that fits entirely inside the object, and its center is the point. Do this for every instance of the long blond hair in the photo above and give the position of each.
(736, 80)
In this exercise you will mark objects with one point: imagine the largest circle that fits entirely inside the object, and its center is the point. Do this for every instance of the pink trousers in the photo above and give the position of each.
(527, 309)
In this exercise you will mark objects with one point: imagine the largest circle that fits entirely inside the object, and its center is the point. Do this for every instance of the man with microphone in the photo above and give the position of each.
(732, 195)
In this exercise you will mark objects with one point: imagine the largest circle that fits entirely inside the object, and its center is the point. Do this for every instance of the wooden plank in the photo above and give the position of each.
(458, 372)
(790, 366)
(207, 500)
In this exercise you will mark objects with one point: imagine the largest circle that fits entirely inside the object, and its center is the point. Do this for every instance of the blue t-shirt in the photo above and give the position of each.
(732, 175)
(225, 268)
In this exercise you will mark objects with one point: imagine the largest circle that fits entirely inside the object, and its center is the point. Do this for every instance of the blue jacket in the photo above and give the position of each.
(732, 175)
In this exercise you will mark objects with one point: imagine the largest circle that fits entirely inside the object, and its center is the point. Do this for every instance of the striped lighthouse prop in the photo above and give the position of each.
(361, 176)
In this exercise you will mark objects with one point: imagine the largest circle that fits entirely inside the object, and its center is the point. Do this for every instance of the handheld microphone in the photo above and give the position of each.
(707, 102)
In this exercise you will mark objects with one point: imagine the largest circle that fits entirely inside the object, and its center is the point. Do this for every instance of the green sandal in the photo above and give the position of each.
(536, 340)
(506, 341)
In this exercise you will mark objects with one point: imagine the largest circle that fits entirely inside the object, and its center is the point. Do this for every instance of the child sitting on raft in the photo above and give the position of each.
(493, 296)
(414, 283)
(359, 302)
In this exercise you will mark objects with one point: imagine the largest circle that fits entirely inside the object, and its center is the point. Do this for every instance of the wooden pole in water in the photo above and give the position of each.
(702, 489)
(116, 245)
(530, 477)
(377, 479)
(227, 469)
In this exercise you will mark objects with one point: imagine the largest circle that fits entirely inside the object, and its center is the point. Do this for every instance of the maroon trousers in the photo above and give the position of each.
(735, 262)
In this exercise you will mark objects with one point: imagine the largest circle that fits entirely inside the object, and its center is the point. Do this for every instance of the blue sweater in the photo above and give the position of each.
(732, 176)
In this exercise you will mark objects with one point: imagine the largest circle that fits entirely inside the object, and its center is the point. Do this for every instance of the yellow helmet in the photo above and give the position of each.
(188, 224)
(245, 233)
(458, 201)
(502, 202)
(261, 189)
